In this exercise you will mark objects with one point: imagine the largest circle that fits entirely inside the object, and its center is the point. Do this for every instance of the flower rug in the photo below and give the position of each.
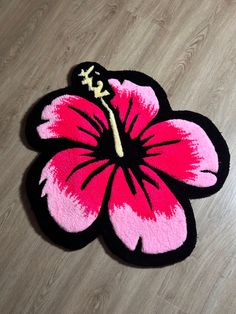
(117, 162)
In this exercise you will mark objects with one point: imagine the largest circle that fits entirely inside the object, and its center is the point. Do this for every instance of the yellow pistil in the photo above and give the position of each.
(97, 90)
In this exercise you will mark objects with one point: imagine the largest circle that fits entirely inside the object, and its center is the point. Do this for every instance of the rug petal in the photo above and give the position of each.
(183, 150)
(74, 185)
(136, 105)
(74, 118)
(151, 213)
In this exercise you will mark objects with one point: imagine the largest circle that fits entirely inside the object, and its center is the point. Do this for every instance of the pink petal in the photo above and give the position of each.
(161, 225)
(183, 150)
(74, 118)
(136, 105)
(74, 206)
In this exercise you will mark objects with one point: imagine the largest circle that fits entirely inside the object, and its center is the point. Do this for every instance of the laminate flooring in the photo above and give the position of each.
(189, 47)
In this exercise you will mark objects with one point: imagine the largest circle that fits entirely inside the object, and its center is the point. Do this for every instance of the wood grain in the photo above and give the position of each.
(190, 48)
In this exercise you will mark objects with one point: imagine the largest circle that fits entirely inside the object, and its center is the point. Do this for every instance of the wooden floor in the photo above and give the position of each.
(190, 48)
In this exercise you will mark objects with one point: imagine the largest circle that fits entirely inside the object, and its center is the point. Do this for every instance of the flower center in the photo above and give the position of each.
(134, 151)
(99, 94)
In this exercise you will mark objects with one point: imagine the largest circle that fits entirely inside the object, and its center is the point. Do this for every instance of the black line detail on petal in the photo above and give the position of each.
(80, 166)
(209, 171)
(93, 174)
(139, 177)
(84, 115)
(163, 144)
(128, 111)
(144, 130)
(102, 125)
(146, 139)
(132, 123)
(129, 180)
(147, 196)
(152, 154)
(89, 133)
(149, 180)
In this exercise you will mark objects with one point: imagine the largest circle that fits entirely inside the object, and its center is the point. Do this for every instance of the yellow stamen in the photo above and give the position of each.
(97, 90)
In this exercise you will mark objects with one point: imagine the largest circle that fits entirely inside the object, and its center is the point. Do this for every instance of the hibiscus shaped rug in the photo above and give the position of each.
(116, 161)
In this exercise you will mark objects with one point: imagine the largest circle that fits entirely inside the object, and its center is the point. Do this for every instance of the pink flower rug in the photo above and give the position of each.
(116, 161)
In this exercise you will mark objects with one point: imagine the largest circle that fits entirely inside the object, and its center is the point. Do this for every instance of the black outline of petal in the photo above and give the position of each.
(102, 224)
